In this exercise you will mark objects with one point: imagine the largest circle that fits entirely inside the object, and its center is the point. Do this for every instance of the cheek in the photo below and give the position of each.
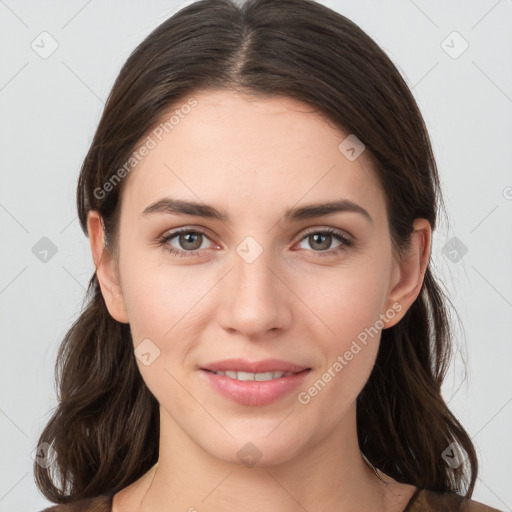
(159, 298)
(345, 301)
(349, 354)
(164, 307)
(347, 309)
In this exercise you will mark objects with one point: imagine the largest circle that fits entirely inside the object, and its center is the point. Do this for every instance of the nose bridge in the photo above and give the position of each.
(255, 300)
(254, 278)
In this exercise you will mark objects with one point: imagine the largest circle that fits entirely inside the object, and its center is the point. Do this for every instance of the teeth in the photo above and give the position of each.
(254, 376)
(267, 375)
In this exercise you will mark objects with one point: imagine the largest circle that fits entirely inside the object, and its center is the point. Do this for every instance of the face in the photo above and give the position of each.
(265, 277)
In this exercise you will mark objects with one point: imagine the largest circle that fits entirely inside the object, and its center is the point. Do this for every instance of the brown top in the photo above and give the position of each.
(421, 501)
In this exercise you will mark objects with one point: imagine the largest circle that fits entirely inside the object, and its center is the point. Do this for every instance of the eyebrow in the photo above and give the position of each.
(179, 206)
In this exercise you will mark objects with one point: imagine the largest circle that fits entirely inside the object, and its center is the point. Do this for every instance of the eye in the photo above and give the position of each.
(189, 241)
(321, 240)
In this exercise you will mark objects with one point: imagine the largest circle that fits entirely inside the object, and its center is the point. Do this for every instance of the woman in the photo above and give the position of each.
(264, 330)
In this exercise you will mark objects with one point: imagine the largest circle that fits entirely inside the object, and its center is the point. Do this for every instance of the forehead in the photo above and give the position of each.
(242, 152)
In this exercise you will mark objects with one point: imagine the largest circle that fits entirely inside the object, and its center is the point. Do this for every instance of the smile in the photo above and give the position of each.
(254, 388)
(260, 377)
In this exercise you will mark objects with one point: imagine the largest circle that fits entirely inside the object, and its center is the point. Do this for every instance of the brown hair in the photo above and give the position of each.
(105, 428)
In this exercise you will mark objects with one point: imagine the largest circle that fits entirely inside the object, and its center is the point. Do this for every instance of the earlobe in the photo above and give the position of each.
(106, 271)
(411, 271)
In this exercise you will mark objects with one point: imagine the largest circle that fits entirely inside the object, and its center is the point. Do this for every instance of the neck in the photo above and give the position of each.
(331, 474)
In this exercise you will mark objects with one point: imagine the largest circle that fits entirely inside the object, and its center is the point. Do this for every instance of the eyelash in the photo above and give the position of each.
(345, 242)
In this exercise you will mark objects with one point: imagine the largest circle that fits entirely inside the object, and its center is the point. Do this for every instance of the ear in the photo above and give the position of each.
(106, 269)
(410, 272)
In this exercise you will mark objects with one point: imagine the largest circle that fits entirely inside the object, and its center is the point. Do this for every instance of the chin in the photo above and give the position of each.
(256, 451)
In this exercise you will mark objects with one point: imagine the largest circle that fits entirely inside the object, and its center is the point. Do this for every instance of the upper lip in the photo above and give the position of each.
(265, 365)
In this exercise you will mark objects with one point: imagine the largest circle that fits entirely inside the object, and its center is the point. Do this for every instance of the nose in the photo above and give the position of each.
(255, 299)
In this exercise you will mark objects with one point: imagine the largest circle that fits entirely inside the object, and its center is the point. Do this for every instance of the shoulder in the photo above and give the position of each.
(425, 500)
(102, 503)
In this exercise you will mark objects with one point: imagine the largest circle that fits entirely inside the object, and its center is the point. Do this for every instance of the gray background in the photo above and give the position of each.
(50, 107)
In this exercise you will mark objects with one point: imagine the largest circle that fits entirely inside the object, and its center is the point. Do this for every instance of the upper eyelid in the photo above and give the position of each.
(338, 231)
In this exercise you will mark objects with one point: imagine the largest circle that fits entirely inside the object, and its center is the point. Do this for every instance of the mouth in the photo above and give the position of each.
(257, 383)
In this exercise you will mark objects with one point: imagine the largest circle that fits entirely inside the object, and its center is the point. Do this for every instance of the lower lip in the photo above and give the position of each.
(255, 392)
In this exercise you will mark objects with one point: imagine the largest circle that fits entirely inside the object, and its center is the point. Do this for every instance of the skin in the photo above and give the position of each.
(255, 158)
